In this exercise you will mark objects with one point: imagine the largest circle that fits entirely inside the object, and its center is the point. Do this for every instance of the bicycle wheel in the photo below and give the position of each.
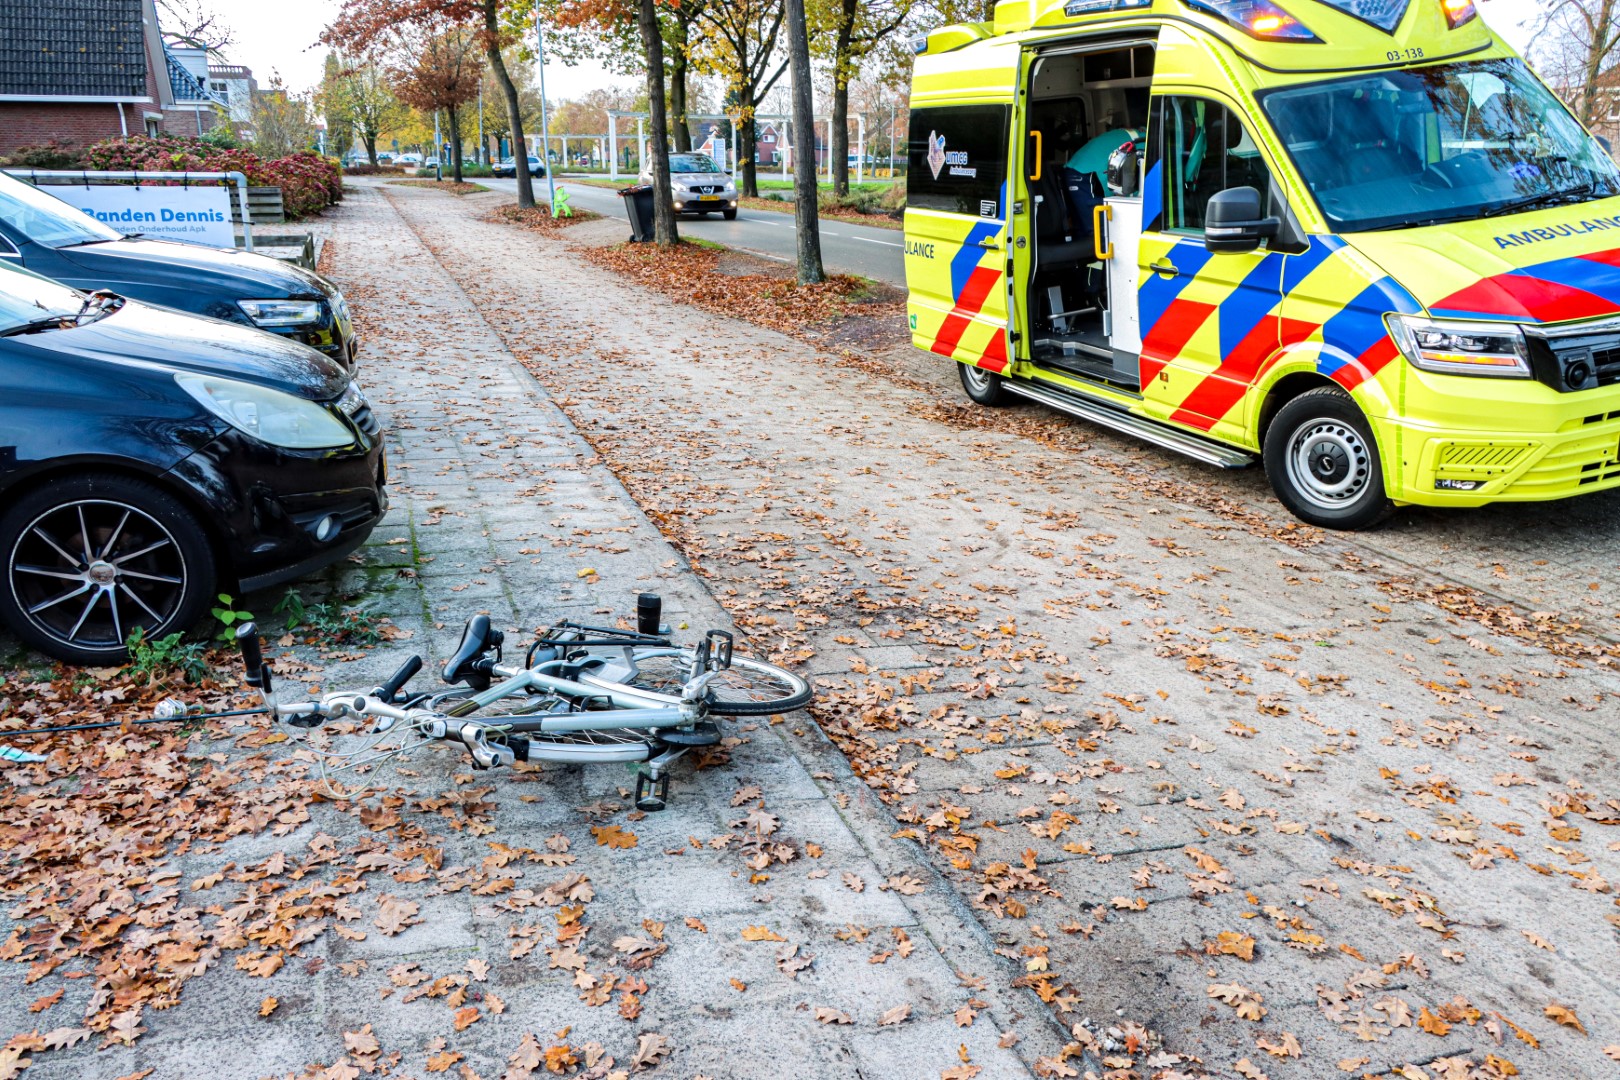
(747, 688)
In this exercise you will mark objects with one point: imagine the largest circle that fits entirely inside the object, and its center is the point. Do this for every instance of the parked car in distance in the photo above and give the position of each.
(42, 233)
(150, 458)
(431, 161)
(385, 159)
(699, 186)
(508, 167)
(408, 159)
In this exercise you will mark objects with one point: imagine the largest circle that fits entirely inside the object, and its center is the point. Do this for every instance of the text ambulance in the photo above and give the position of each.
(1358, 238)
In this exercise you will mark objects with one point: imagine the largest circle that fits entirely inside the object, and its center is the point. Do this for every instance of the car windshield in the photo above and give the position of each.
(47, 220)
(26, 297)
(691, 163)
(1446, 143)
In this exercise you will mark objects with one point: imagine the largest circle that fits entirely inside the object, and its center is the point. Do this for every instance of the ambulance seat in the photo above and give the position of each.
(1059, 243)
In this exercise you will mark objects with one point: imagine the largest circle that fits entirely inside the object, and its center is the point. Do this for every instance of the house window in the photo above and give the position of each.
(222, 89)
(154, 126)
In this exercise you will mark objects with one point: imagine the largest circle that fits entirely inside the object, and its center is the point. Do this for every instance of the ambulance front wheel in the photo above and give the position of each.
(1322, 460)
(984, 387)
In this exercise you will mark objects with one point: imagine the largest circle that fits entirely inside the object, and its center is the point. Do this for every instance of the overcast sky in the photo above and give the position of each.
(280, 36)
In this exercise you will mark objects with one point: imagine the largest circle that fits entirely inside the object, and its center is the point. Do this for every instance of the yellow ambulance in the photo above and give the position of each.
(1358, 239)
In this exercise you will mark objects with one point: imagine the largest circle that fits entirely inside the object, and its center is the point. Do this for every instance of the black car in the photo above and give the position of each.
(149, 458)
(46, 235)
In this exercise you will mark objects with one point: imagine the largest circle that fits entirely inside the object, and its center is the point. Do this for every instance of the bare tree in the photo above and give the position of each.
(1577, 42)
(196, 23)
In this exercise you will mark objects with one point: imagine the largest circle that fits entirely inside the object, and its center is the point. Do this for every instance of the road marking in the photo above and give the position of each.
(885, 243)
(829, 232)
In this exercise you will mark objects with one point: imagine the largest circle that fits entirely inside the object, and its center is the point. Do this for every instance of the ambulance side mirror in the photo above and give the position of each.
(1235, 221)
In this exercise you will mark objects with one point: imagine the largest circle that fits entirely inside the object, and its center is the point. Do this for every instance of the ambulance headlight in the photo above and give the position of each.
(1448, 347)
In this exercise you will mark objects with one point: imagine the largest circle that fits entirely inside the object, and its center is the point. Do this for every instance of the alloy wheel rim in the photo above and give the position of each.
(89, 572)
(978, 378)
(1329, 464)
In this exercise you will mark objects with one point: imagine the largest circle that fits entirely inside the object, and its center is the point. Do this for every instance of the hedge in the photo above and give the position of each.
(308, 182)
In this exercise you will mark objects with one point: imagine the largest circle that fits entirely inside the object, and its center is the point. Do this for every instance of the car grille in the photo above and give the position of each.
(706, 189)
(1606, 361)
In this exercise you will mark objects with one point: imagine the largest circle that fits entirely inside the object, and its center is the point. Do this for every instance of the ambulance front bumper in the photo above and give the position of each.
(1465, 441)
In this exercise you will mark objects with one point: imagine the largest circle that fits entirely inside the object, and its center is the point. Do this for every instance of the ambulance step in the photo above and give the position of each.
(1196, 447)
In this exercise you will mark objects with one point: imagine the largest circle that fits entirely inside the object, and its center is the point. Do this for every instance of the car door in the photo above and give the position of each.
(956, 232)
(1208, 321)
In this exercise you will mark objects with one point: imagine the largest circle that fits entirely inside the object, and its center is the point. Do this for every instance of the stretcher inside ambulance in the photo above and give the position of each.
(1358, 239)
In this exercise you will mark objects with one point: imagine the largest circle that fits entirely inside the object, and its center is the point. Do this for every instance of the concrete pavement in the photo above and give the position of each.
(1204, 775)
(845, 248)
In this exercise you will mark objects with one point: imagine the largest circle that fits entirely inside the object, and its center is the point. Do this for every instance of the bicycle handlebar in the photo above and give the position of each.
(247, 639)
(471, 734)
(396, 682)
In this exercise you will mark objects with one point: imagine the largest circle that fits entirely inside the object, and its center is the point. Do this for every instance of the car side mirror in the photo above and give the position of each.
(1234, 221)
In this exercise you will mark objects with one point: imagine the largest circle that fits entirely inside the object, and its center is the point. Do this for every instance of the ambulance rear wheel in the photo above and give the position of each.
(984, 387)
(1322, 461)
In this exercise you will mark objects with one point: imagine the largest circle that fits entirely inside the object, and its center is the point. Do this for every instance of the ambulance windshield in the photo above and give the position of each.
(1449, 143)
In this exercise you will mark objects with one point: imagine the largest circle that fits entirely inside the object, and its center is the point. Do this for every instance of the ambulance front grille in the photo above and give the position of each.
(1482, 457)
(1606, 362)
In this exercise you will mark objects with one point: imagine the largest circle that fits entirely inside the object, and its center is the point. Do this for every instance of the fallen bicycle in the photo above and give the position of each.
(583, 695)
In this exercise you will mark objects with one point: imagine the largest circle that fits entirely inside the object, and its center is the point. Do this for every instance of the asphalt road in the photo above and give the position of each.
(845, 248)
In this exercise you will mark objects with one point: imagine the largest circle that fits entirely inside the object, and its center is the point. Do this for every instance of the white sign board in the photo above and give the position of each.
(199, 214)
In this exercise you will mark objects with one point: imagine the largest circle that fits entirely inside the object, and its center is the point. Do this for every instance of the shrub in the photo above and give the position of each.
(308, 181)
(366, 169)
(51, 155)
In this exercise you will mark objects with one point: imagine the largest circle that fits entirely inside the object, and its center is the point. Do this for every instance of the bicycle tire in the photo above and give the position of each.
(736, 692)
(603, 747)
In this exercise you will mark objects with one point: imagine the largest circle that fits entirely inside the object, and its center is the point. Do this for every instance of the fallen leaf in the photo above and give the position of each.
(828, 1015)
(760, 933)
(1564, 1016)
(896, 1015)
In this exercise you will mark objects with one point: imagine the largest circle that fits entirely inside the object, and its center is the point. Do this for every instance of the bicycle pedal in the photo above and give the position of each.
(519, 747)
(703, 733)
(651, 795)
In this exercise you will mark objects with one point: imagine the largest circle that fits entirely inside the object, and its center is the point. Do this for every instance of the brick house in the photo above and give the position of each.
(79, 71)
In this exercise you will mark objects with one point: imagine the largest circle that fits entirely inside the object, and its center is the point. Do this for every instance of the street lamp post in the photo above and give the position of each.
(545, 128)
(438, 158)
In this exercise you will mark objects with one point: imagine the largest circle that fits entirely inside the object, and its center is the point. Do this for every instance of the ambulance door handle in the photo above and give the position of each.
(1165, 267)
(991, 243)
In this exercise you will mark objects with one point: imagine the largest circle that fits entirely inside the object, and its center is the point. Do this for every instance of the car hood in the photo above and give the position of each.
(216, 270)
(1547, 266)
(699, 178)
(139, 335)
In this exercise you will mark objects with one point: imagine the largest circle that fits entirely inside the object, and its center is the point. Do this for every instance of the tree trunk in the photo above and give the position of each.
(664, 230)
(455, 140)
(747, 140)
(805, 214)
(679, 40)
(838, 136)
(371, 148)
(1596, 60)
(497, 64)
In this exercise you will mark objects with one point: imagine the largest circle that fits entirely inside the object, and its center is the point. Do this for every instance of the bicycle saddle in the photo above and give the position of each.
(477, 638)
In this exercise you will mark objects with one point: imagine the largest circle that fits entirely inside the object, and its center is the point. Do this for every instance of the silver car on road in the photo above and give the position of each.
(699, 186)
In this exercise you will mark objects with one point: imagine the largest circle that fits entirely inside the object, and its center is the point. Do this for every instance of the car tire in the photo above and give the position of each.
(89, 559)
(1322, 460)
(984, 387)
(729, 215)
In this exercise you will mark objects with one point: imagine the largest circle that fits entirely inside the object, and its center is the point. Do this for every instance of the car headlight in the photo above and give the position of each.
(281, 312)
(1448, 347)
(268, 415)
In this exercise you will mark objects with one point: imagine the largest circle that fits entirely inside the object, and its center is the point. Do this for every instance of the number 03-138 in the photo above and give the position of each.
(1404, 54)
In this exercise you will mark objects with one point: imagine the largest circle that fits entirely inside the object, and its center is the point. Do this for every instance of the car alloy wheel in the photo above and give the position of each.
(86, 573)
(91, 559)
